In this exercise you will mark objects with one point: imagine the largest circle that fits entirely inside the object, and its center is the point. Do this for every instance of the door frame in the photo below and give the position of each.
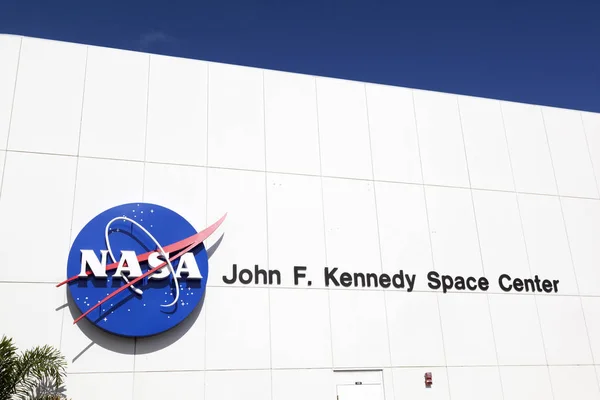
(356, 377)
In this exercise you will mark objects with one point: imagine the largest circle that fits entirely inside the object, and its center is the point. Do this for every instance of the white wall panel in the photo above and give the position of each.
(388, 383)
(9, 54)
(2, 159)
(182, 348)
(528, 148)
(591, 312)
(570, 155)
(296, 233)
(358, 322)
(546, 241)
(485, 144)
(591, 125)
(98, 190)
(114, 105)
(410, 345)
(394, 141)
(582, 218)
(86, 386)
(441, 139)
(241, 195)
(409, 383)
(237, 328)
(167, 385)
(255, 385)
(236, 135)
(467, 327)
(22, 320)
(403, 230)
(89, 349)
(526, 383)
(475, 383)
(177, 111)
(453, 231)
(517, 331)
(93, 350)
(351, 226)
(574, 382)
(303, 384)
(48, 98)
(501, 237)
(180, 188)
(35, 204)
(564, 331)
(343, 129)
(291, 126)
(300, 329)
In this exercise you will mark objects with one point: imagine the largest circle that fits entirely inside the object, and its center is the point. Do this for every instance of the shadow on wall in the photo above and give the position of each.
(152, 343)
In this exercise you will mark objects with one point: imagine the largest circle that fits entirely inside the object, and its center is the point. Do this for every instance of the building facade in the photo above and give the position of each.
(375, 236)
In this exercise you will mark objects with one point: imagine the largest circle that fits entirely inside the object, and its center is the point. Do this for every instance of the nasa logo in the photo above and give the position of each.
(125, 280)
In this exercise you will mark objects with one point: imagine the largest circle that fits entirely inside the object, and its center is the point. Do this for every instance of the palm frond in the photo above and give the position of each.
(40, 364)
(44, 389)
(38, 373)
(8, 368)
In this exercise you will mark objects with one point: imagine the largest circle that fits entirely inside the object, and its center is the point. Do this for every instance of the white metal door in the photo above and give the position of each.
(360, 392)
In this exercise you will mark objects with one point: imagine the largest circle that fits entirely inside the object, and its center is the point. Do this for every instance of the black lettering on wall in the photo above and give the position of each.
(433, 280)
(299, 272)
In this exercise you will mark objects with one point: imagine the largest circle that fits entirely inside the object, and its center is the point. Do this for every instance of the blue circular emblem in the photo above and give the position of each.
(137, 269)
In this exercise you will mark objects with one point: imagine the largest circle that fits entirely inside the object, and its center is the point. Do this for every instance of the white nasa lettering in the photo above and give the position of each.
(188, 265)
(89, 259)
(129, 264)
(154, 262)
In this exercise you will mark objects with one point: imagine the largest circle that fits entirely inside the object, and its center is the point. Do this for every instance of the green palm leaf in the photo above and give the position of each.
(38, 373)
(8, 368)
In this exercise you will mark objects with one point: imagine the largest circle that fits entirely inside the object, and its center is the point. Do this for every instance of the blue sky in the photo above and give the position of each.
(543, 52)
